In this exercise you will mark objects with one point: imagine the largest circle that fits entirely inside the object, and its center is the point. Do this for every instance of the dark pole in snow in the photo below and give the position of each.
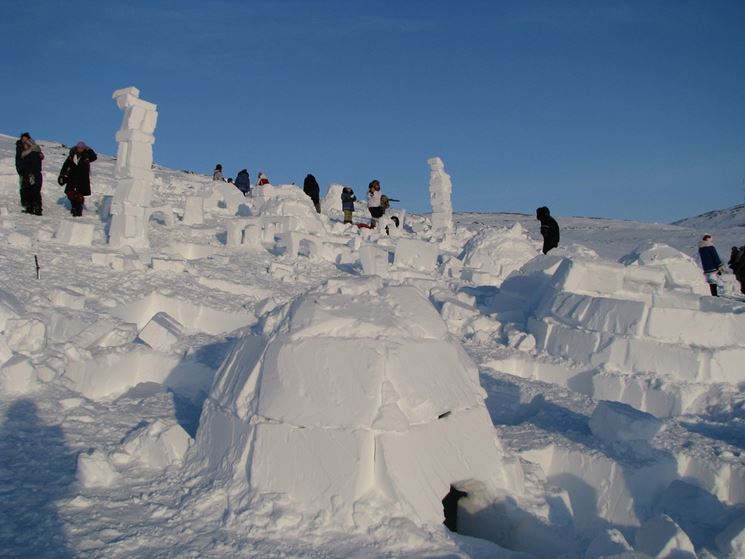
(38, 269)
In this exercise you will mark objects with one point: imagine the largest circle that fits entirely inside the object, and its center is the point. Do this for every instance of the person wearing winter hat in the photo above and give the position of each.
(549, 228)
(347, 203)
(28, 165)
(217, 173)
(374, 202)
(711, 263)
(75, 176)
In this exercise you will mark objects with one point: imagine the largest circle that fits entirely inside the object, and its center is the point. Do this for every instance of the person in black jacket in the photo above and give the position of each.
(243, 182)
(28, 165)
(549, 229)
(76, 176)
(711, 263)
(311, 188)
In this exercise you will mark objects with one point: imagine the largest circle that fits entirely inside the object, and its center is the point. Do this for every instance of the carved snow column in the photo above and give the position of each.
(134, 175)
(440, 191)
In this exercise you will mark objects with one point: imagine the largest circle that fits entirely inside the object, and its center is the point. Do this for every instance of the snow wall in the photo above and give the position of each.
(357, 400)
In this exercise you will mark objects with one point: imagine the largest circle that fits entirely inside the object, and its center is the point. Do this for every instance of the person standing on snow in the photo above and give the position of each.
(28, 165)
(347, 203)
(374, 204)
(76, 176)
(549, 229)
(711, 263)
(737, 265)
(311, 188)
(217, 173)
(243, 182)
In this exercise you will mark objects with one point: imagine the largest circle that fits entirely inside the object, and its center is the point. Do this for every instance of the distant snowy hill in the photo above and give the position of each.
(729, 217)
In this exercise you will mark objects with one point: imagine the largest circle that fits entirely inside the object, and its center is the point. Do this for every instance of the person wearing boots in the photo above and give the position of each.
(711, 263)
(347, 203)
(75, 176)
(374, 204)
(28, 164)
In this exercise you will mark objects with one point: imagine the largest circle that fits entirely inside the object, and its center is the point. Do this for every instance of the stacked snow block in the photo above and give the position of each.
(75, 233)
(642, 336)
(377, 402)
(133, 173)
(440, 192)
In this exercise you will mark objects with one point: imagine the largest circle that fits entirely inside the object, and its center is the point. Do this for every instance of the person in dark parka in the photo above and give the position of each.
(76, 176)
(549, 229)
(311, 188)
(347, 203)
(711, 263)
(737, 265)
(28, 165)
(243, 182)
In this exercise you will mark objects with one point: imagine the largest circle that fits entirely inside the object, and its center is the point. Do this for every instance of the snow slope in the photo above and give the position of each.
(730, 217)
(110, 359)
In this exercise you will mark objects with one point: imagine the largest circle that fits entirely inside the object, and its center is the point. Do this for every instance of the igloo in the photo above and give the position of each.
(357, 401)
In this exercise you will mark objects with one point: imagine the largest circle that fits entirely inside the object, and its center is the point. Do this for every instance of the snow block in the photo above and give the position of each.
(17, 376)
(662, 538)
(157, 445)
(170, 265)
(18, 240)
(64, 297)
(420, 255)
(74, 233)
(615, 421)
(374, 261)
(193, 211)
(731, 542)
(95, 470)
(493, 254)
(643, 391)
(600, 314)
(25, 335)
(161, 332)
(607, 543)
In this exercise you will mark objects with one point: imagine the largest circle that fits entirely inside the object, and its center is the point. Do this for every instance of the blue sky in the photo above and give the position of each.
(627, 109)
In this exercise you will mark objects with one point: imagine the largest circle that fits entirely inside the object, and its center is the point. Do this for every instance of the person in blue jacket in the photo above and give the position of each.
(347, 203)
(711, 263)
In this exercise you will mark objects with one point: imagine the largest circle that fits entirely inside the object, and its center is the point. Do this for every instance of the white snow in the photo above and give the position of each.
(259, 380)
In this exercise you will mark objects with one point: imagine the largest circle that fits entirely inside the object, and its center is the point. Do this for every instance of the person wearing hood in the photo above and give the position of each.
(347, 203)
(711, 263)
(75, 176)
(243, 182)
(549, 229)
(311, 188)
(217, 173)
(737, 265)
(28, 165)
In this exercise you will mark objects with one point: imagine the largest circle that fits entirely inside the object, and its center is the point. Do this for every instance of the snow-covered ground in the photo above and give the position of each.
(247, 387)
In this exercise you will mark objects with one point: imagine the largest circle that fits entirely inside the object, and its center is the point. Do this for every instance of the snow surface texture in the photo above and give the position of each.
(262, 381)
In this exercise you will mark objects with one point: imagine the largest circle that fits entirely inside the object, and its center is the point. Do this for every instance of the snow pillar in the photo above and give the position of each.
(133, 173)
(440, 190)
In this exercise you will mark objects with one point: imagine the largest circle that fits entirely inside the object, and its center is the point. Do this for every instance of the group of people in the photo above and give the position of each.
(714, 268)
(75, 175)
(377, 202)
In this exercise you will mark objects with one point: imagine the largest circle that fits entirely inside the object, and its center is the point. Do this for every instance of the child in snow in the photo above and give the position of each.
(243, 182)
(711, 263)
(76, 176)
(347, 203)
(262, 180)
(28, 165)
(217, 173)
(374, 204)
(549, 229)
(737, 265)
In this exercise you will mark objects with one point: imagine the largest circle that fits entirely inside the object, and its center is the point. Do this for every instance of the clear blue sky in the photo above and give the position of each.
(630, 109)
